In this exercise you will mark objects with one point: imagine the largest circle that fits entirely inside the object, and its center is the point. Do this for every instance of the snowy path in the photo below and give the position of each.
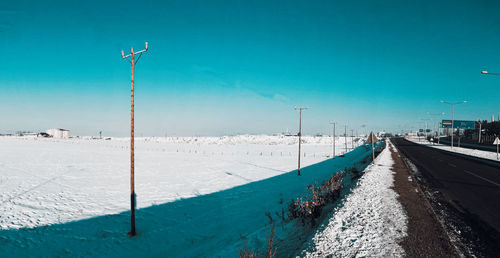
(370, 222)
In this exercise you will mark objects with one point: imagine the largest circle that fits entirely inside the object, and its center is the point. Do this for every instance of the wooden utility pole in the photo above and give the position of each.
(300, 133)
(352, 138)
(132, 189)
(333, 139)
(372, 139)
(373, 150)
(345, 136)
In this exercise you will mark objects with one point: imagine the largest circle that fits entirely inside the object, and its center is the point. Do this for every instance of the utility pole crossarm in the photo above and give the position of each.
(125, 56)
(144, 50)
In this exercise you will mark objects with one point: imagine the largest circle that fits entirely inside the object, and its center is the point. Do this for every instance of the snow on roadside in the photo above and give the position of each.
(466, 151)
(371, 221)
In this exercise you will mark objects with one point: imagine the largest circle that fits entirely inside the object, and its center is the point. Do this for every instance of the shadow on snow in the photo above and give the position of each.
(216, 224)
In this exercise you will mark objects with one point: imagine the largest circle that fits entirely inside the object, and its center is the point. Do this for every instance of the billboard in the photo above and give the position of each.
(462, 124)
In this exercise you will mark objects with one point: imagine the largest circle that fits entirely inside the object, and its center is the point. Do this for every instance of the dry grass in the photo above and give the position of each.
(270, 250)
(310, 207)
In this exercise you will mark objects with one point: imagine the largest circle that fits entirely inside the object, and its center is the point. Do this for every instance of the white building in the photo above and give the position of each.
(58, 133)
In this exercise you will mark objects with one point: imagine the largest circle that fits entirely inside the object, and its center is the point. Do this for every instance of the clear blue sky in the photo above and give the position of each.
(228, 67)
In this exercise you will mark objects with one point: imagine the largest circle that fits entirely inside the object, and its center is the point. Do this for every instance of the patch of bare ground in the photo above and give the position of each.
(426, 236)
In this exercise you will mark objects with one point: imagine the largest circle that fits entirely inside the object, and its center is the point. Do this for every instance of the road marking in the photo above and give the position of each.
(453, 165)
(485, 179)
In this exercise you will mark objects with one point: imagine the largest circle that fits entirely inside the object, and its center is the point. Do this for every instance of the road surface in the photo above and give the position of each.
(470, 186)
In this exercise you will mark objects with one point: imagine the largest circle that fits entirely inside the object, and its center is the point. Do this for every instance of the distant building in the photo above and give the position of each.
(44, 135)
(58, 133)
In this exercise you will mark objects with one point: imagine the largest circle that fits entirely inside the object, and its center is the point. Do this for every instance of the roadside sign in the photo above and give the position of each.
(372, 138)
(459, 124)
(420, 130)
(446, 124)
(427, 130)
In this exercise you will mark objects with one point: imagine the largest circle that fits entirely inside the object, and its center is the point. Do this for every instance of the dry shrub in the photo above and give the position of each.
(355, 173)
(354, 170)
(247, 253)
(270, 250)
(309, 208)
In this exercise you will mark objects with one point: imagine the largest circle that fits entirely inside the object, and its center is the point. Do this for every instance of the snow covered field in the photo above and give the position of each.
(46, 181)
(465, 151)
(370, 222)
(70, 197)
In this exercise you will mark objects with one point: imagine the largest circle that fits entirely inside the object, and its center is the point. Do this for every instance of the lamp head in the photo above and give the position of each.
(484, 72)
(146, 46)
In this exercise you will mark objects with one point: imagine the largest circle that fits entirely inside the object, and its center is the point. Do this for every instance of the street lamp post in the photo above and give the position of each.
(133, 62)
(437, 123)
(479, 136)
(425, 119)
(488, 73)
(452, 116)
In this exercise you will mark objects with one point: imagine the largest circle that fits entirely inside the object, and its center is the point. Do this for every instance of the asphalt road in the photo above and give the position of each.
(471, 186)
